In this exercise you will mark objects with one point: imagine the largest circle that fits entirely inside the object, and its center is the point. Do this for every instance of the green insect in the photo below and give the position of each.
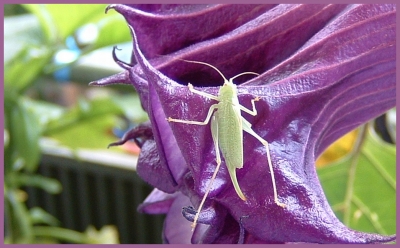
(227, 125)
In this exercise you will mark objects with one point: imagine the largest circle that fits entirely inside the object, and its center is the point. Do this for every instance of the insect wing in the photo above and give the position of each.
(230, 135)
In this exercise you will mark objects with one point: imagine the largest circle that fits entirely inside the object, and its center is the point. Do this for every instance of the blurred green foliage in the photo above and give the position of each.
(28, 119)
(361, 187)
(13, 9)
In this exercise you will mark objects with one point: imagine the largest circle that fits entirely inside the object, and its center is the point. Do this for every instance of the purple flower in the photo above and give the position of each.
(325, 69)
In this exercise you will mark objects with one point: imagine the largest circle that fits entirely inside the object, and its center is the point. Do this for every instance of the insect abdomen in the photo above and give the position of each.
(230, 136)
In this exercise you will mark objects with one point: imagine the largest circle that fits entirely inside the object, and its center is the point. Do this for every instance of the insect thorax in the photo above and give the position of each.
(227, 91)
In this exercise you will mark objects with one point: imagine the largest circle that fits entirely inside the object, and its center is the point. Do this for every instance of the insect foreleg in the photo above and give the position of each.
(252, 112)
(247, 128)
(202, 93)
(210, 112)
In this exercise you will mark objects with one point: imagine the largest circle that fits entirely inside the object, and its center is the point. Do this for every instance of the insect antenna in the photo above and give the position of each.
(220, 73)
(244, 73)
(203, 63)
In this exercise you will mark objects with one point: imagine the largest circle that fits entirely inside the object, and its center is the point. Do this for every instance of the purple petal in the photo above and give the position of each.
(157, 202)
(120, 78)
(177, 230)
(325, 70)
(163, 29)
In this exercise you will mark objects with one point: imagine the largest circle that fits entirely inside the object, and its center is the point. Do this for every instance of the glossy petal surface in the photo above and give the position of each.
(325, 69)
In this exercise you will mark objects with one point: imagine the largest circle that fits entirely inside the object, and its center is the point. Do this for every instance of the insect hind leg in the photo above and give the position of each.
(214, 132)
(247, 128)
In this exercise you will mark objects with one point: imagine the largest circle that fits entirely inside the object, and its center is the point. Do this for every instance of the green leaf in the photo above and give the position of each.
(19, 33)
(106, 235)
(45, 111)
(24, 131)
(361, 188)
(21, 71)
(112, 30)
(45, 19)
(49, 185)
(130, 104)
(61, 20)
(88, 125)
(19, 223)
(59, 233)
(39, 216)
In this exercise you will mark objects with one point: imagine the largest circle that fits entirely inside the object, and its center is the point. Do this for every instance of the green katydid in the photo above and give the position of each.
(227, 125)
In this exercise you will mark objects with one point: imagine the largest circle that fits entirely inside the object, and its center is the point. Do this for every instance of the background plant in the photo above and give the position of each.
(29, 116)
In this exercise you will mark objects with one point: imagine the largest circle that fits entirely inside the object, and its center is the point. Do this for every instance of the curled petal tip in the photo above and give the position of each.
(111, 6)
(121, 63)
(120, 78)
